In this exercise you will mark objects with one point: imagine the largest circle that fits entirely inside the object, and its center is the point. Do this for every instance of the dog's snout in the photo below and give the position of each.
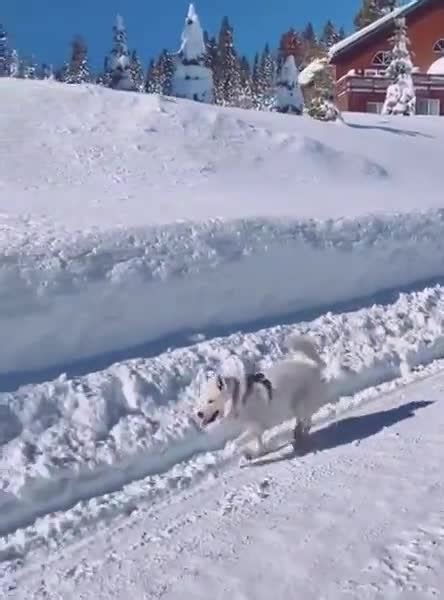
(200, 415)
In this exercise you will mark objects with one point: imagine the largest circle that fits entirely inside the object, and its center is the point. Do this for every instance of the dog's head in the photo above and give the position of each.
(215, 402)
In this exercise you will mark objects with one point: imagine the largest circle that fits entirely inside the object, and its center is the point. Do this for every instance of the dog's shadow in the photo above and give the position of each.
(347, 431)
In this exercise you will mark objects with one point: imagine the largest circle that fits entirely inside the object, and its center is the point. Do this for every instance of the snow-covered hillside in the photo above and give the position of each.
(146, 241)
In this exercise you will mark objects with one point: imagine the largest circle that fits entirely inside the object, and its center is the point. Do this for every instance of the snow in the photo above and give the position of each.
(401, 11)
(119, 228)
(437, 67)
(140, 255)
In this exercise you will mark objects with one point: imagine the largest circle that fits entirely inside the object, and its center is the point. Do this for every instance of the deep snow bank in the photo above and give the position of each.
(95, 187)
(73, 440)
(84, 296)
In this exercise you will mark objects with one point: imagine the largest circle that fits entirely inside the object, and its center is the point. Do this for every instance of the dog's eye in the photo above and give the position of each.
(210, 401)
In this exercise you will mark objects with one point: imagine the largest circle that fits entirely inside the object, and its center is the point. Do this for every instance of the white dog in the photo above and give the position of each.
(291, 388)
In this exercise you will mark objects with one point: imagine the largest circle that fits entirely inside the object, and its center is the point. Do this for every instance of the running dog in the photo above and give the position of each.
(291, 388)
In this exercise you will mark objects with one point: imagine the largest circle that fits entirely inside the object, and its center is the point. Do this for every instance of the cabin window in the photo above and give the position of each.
(375, 107)
(428, 106)
(382, 58)
(439, 46)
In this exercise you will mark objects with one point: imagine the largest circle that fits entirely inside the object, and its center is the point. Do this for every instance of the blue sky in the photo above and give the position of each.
(45, 27)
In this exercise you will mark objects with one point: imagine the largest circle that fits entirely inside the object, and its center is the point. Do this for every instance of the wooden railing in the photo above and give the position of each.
(377, 83)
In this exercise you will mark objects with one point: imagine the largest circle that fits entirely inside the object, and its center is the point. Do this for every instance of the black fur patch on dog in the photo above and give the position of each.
(259, 378)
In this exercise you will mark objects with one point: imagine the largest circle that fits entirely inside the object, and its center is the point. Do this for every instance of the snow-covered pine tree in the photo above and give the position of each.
(265, 80)
(318, 85)
(47, 72)
(14, 64)
(118, 69)
(401, 97)
(166, 69)
(227, 75)
(27, 68)
(5, 54)
(137, 73)
(289, 97)
(192, 79)
(152, 81)
(77, 70)
(246, 98)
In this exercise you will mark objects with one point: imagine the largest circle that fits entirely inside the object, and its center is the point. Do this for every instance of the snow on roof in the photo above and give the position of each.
(437, 68)
(365, 31)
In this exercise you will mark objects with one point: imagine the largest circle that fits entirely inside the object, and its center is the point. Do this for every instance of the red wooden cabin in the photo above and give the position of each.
(361, 59)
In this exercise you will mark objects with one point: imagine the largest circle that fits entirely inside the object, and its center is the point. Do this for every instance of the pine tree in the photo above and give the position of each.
(212, 53)
(246, 99)
(77, 70)
(289, 97)
(329, 36)
(311, 45)
(192, 79)
(318, 82)
(165, 70)
(372, 10)
(27, 68)
(14, 64)
(4, 54)
(291, 44)
(266, 80)
(401, 97)
(117, 68)
(47, 72)
(152, 82)
(227, 75)
(137, 74)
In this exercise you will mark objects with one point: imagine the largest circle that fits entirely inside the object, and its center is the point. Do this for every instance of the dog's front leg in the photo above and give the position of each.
(256, 433)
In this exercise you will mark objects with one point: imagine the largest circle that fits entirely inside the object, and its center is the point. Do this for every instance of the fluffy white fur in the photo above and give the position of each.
(298, 391)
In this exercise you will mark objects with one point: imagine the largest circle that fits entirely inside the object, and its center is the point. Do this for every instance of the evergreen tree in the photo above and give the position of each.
(27, 68)
(166, 69)
(289, 97)
(311, 45)
(5, 55)
(212, 53)
(227, 75)
(192, 78)
(329, 36)
(14, 64)
(318, 83)
(246, 99)
(77, 70)
(47, 72)
(265, 80)
(401, 97)
(291, 44)
(152, 82)
(137, 74)
(371, 10)
(117, 68)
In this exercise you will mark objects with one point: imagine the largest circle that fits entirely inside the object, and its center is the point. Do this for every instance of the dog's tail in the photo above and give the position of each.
(305, 345)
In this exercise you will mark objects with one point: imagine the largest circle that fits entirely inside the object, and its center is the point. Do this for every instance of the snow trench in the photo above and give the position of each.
(80, 296)
(68, 442)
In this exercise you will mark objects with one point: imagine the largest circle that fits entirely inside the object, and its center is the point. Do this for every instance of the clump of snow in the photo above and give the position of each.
(437, 67)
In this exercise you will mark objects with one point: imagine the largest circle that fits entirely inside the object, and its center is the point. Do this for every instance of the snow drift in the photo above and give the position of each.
(140, 218)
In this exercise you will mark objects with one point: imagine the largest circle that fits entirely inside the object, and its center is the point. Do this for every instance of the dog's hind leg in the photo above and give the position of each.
(301, 433)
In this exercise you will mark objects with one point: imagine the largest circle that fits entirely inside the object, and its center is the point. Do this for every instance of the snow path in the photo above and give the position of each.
(365, 511)
(91, 449)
